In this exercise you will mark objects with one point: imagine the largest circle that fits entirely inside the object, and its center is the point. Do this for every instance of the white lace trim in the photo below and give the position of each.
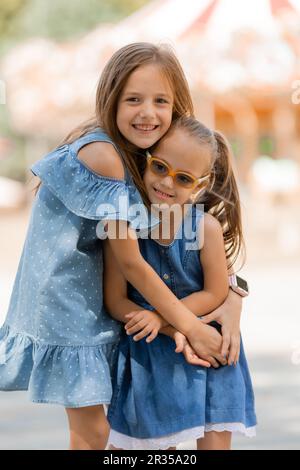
(232, 427)
(172, 440)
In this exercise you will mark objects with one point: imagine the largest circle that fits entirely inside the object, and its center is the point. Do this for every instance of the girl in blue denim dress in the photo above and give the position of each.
(159, 398)
(58, 341)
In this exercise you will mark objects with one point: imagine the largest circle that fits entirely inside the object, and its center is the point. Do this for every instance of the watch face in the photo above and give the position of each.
(242, 283)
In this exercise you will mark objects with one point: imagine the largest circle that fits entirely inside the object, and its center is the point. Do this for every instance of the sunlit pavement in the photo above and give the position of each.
(25, 425)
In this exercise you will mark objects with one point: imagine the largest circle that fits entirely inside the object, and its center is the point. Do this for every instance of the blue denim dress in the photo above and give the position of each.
(58, 341)
(160, 400)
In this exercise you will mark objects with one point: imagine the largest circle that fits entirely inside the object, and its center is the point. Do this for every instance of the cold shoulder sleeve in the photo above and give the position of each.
(88, 194)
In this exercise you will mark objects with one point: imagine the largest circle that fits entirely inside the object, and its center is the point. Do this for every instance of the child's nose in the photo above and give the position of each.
(147, 110)
(168, 181)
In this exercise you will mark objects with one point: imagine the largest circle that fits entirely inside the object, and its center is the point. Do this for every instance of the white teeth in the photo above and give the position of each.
(143, 127)
(163, 194)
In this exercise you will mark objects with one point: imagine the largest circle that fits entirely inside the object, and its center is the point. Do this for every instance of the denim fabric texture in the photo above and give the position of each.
(156, 392)
(57, 340)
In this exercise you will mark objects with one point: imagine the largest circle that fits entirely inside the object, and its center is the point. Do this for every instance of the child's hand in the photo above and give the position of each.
(146, 323)
(182, 345)
(207, 343)
(228, 315)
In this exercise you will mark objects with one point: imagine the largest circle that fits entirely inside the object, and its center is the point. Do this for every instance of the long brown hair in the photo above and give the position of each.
(221, 195)
(112, 81)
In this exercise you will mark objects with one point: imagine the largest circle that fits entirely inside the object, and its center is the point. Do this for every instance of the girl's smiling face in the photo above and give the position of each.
(145, 106)
(181, 152)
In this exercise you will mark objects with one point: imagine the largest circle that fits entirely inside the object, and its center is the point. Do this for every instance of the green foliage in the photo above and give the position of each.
(56, 19)
(59, 19)
(8, 10)
(266, 145)
(13, 165)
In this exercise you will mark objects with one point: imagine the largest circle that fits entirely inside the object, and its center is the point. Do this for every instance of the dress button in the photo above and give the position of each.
(166, 276)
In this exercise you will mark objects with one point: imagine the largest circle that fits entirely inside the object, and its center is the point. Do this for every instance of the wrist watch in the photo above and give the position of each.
(238, 285)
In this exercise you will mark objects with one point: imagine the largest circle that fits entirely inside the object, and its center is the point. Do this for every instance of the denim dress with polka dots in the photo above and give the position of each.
(58, 341)
(160, 400)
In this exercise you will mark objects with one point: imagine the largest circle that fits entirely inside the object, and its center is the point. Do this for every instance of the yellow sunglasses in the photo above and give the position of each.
(181, 178)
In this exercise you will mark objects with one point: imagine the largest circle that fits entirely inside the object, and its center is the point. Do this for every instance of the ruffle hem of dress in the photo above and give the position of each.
(55, 374)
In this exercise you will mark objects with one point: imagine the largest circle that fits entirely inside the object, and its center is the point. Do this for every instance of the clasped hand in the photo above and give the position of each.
(145, 323)
(148, 323)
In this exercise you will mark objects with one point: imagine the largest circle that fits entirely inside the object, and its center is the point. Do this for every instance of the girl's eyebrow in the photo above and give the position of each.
(165, 161)
(136, 93)
(154, 154)
(165, 95)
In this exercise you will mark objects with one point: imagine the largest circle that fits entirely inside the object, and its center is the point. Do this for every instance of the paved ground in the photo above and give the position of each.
(271, 332)
(25, 425)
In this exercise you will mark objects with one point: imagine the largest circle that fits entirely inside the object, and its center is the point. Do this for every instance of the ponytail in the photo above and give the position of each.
(221, 197)
(223, 202)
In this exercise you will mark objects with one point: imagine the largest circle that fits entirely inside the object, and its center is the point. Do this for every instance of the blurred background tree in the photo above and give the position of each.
(59, 20)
